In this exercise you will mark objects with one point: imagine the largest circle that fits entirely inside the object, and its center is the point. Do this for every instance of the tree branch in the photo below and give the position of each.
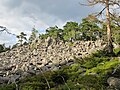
(6, 30)
(117, 21)
(90, 4)
(114, 3)
(100, 12)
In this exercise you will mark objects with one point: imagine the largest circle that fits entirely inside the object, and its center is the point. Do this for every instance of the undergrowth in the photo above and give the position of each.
(89, 73)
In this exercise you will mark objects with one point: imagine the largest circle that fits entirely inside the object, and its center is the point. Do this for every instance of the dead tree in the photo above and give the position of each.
(107, 5)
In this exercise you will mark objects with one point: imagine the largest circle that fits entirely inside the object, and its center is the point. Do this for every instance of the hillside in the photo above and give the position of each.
(61, 66)
(40, 55)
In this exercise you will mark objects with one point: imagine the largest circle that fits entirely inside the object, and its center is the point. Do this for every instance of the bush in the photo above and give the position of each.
(8, 87)
(59, 77)
(117, 51)
(95, 59)
(104, 67)
(91, 82)
(33, 86)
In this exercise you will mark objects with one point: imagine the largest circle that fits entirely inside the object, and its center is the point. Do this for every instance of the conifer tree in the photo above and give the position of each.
(21, 38)
(107, 5)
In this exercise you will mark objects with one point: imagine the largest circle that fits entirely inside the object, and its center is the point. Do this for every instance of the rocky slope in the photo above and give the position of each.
(42, 56)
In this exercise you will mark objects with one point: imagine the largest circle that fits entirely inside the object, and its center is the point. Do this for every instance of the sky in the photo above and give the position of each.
(22, 15)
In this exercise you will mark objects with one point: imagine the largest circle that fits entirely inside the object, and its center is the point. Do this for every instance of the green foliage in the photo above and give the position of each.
(117, 51)
(53, 32)
(104, 67)
(70, 31)
(91, 82)
(87, 30)
(43, 36)
(33, 35)
(8, 87)
(59, 77)
(21, 38)
(33, 86)
(90, 30)
(115, 33)
(94, 59)
(3, 48)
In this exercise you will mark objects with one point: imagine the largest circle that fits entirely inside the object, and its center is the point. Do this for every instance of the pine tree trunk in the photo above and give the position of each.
(109, 37)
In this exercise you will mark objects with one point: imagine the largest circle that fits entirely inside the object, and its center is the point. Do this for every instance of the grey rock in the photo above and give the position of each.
(54, 68)
(32, 72)
(69, 63)
(4, 79)
(63, 62)
(13, 78)
(114, 82)
(44, 68)
(45, 55)
(25, 74)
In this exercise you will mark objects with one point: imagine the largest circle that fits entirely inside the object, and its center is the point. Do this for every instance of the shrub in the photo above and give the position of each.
(33, 86)
(8, 87)
(104, 67)
(91, 82)
(59, 77)
(117, 51)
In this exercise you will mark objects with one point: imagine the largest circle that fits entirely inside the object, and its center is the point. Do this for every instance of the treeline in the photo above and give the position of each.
(90, 28)
(72, 31)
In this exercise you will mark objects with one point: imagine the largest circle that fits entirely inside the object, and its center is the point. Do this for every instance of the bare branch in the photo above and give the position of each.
(116, 19)
(84, 4)
(6, 30)
(100, 12)
(90, 4)
(94, 2)
(114, 3)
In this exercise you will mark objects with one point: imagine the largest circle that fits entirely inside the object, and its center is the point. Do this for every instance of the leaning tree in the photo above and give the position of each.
(108, 6)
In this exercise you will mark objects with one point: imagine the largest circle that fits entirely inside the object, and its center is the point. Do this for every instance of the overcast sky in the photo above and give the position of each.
(23, 15)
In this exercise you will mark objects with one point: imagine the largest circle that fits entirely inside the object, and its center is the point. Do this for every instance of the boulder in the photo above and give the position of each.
(32, 72)
(114, 82)
(44, 68)
(13, 78)
(63, 62)
(45, 55)
(4, 79)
